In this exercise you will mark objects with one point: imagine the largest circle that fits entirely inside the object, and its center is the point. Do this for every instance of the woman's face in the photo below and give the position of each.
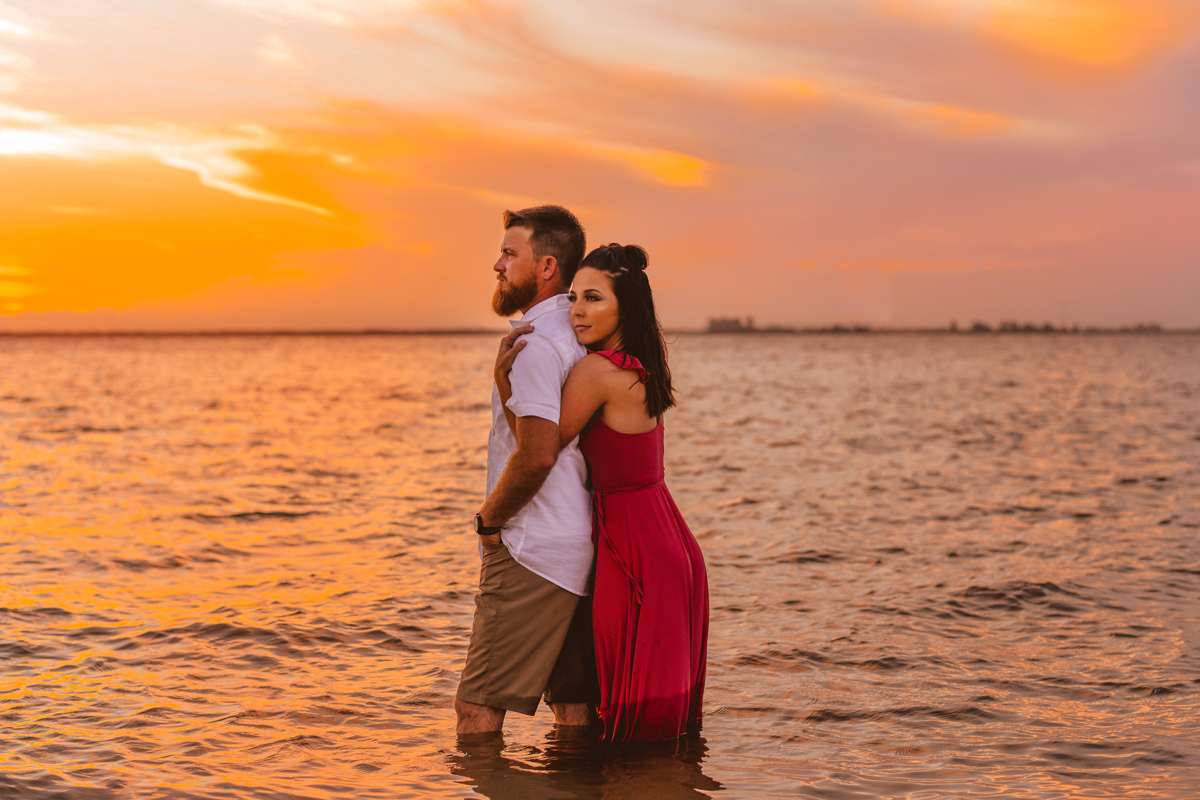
(594, 311)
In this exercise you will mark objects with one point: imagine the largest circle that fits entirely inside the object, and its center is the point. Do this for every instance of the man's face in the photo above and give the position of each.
(516, 273)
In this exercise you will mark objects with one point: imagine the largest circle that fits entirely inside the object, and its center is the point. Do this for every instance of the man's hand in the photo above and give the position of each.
(526, 471)
(490, 541)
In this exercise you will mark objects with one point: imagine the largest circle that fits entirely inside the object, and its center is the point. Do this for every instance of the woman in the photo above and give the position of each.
(650, 603)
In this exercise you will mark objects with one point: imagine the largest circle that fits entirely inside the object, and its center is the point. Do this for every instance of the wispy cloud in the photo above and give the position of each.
(1091, 34)
(341, 13)
(15, 289)
(913, 265)
(1100, 34)
(938, 118)
(211, 155)
(278, 53)
(16, 23)
(14, 69)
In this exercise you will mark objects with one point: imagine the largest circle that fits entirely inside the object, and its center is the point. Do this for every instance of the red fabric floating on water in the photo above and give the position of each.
(650, 611)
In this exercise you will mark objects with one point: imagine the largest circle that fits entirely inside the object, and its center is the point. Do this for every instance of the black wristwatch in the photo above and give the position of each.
(484, 530)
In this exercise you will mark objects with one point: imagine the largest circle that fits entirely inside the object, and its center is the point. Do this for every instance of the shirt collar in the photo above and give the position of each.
(555, 303)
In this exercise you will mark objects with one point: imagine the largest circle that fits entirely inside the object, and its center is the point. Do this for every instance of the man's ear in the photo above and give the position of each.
(549, 269)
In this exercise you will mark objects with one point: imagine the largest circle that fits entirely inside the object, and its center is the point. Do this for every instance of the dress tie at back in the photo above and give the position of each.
(599, 531)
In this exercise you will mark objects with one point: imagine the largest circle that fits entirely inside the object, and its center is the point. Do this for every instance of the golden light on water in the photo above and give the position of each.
(950, 563)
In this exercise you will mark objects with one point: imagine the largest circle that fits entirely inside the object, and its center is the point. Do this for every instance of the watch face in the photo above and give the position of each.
(478, 523)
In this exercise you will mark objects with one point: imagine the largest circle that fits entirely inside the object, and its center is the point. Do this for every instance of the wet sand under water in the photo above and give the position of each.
(940, 567)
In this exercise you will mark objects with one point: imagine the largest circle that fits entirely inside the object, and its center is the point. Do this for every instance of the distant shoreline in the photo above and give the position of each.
(366, 332)
(839, 330)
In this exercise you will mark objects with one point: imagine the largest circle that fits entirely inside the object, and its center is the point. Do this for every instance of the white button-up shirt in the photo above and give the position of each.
(552, 535)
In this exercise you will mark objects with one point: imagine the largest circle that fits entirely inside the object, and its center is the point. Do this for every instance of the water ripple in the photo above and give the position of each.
(940, 566)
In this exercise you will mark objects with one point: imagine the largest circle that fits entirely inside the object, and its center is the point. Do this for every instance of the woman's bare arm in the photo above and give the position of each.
(585, 392)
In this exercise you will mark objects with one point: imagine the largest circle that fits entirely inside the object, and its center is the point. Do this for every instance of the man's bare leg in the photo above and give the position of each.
(476, 719)
(575, 715)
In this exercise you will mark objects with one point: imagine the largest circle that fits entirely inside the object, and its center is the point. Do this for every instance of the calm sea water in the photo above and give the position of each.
(940, 566)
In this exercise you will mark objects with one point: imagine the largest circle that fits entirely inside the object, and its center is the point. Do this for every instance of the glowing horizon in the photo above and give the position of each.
(311, 164)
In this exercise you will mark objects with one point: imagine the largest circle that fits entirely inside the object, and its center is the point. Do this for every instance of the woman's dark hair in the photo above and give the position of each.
(641, 335)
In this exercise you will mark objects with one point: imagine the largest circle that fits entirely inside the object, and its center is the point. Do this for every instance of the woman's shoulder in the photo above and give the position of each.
(596, 368)
(608, 362)
(594, 365)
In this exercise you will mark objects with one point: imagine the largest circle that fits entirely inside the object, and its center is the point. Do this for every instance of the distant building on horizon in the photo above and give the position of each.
(731, 325)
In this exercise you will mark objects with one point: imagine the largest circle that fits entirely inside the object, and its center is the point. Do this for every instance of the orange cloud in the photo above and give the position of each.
(1099, 34)
(809, 132)
(949, 120)
(805, 89)
(930, 265)
(149, 232)
(10, 290)
(94, 232)
(908, 265)
(14, 289)
(218, 158)
(662, 166)
(392, 147)
(783, 92)
(942, 119)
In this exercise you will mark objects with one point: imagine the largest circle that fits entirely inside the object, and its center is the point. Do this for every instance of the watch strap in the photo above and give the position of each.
(484, 530)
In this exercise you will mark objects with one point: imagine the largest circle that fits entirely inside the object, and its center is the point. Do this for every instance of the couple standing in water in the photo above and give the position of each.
(592, 592)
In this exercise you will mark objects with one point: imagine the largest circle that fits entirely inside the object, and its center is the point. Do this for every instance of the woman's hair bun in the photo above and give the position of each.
(615, 257)
(636, 257)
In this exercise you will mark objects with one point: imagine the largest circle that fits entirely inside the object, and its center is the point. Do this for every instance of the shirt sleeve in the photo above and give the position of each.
(537, 379)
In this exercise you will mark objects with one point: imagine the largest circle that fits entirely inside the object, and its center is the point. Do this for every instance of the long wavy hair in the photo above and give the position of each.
(641, 333)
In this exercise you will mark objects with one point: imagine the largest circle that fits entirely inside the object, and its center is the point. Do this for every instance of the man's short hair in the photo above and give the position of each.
(556, 232)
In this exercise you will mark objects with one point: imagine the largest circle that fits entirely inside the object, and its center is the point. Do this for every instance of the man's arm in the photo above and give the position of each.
(524, 474)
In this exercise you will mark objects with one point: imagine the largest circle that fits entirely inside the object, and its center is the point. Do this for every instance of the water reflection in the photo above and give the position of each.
(940, 566)
(577, 766)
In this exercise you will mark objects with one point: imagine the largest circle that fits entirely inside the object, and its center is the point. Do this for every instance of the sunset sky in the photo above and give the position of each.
(318, 164)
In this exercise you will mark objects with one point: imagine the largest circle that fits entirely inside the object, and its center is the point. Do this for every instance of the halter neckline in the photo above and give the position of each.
(625, 361)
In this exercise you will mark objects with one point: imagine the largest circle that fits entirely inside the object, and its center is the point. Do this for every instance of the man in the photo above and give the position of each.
(532, 629)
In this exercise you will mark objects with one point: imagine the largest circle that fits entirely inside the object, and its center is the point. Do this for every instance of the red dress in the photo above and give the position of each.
(650, 612)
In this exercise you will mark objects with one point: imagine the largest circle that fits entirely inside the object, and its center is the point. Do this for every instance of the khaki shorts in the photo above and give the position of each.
(529, 637)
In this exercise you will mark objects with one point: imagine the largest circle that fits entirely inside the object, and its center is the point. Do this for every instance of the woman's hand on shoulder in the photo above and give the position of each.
(510, 346)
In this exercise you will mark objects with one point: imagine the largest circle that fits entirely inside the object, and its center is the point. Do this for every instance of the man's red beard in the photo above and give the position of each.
(510, 298)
